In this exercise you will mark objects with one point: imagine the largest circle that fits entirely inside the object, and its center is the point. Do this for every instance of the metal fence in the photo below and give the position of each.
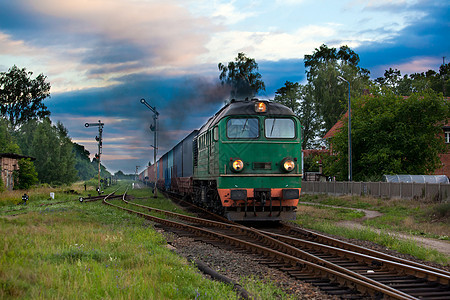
(404, 190)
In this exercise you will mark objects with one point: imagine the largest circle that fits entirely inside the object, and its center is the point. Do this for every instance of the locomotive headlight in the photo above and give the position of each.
(288, 164)
(237, 165)
(260, 107)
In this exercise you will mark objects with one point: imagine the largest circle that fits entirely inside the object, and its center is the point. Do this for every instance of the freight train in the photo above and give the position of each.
(245, 163)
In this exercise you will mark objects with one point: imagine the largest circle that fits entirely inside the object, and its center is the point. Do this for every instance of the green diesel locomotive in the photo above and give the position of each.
(247, 162)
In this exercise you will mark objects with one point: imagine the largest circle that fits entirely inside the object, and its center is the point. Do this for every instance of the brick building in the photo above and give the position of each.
(445, 157)
(9, 162)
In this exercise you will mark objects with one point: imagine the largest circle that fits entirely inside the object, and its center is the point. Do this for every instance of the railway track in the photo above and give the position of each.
(336, 270)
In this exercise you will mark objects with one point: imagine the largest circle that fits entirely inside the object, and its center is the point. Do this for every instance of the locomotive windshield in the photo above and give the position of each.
(243, 128)
(279, 128)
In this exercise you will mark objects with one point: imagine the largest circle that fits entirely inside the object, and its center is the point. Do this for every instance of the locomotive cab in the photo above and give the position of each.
(248, 161)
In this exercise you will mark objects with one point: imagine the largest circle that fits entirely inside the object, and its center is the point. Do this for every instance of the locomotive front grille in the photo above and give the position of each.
(262, 166)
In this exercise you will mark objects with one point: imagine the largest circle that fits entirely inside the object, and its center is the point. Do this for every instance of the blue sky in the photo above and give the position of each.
(102, 56)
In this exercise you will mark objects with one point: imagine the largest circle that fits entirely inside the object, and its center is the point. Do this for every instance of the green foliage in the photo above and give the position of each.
(21, 98)
(416, 82)
(391, 135)
(309, 117)
(7, 141)
(83, 164)
(93, 182)
(120, 175)
(289, 95)
(242, 76)
(439, 212)
(21, 106)
(298, 98)
(327, 92)
(52, 148)
(26, 176)
(310, 164)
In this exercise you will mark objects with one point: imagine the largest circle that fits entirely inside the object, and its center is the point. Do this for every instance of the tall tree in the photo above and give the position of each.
(329, 94)
(7, 140)
(242, 76)
(52, 148)
(298, 98)
(66, 164)
(83, 164)
(289, 95)
(26, 176)
(309, 118)
(416, 82)
(21, 97)
(394, 81)
(387, 137)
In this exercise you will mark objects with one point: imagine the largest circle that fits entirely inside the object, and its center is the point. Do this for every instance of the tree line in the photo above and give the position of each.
(390, 133)
(396, 120)
(25, 129)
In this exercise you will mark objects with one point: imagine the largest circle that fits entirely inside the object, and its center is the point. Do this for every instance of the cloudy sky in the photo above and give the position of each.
(102, 56)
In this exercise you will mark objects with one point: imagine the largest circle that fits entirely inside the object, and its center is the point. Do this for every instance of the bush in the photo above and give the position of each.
(440, 212)
(26, 176)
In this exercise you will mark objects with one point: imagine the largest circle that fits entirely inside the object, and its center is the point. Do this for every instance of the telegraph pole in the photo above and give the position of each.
(100, 146)
(153, 128)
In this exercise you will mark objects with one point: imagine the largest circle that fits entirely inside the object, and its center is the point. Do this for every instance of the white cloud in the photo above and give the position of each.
(165, 30)
(268, 45)
(60, 65)
(105, 39)
(223, 12)
(229, 14)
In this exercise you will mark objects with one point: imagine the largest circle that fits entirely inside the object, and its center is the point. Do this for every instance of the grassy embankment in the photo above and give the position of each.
(76, 250)
(426, 219)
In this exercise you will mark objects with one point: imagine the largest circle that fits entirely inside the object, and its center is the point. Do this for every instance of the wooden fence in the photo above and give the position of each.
(404, 190)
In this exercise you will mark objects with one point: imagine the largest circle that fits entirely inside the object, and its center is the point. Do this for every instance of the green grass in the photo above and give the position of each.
(404, 216)
(354, 201)
(263, 288)
(88, 250)
(328, 213)
(387, 240)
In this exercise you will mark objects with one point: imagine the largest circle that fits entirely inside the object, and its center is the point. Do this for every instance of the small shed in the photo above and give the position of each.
(9, 162)
(416, 178)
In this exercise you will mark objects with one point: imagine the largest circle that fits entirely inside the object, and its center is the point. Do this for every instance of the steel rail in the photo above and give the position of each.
(352, 279)
(409, 269)
(179, 200)
(412, 269)
(323, 239)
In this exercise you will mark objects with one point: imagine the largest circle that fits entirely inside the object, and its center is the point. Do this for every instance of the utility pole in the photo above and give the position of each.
(443, 76)
(100, 146)
(153, 128)
(350, 177)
